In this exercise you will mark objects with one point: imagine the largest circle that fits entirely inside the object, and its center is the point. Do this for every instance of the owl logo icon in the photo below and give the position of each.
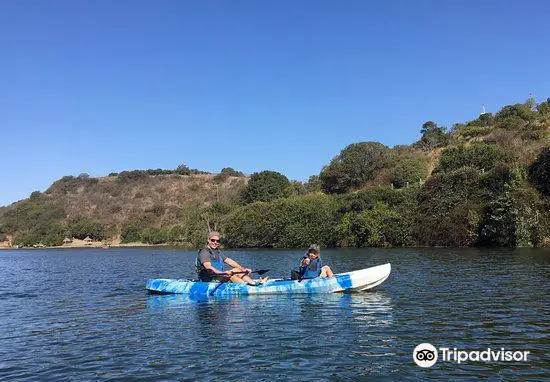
(425, 355)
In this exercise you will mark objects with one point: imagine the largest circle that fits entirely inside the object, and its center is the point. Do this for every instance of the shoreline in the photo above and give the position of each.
(82, 244)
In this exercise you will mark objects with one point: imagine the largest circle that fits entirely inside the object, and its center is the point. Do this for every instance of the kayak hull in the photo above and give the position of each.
(360, 280)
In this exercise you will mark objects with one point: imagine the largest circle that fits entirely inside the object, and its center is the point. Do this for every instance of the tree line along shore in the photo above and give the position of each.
(484, 182)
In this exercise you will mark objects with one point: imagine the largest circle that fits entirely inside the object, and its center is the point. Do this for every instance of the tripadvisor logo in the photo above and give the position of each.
(425, 355)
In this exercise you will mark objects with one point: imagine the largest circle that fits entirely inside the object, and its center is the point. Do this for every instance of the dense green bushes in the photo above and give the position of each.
(34, 214)
(511, 220)
(50, 235)
(81, 227)
(481, 156)
(354, 166)
(70, 184)
(449, 208)
(539, 172)
(433, 136)
(292, 222)
(373, 217)
(265, 186)
(225, 173)
(408, 171)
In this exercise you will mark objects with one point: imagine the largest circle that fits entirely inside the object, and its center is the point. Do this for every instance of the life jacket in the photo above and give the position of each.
(310, 271)
(216, 260)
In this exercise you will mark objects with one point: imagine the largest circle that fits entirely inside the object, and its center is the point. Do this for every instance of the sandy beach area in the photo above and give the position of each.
(77, 243)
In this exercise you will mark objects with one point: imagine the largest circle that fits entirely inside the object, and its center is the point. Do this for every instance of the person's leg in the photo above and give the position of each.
(326, 272)
(242, 278)
(238, 278)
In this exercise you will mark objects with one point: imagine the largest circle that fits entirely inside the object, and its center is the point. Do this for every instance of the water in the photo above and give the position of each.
(84, 315)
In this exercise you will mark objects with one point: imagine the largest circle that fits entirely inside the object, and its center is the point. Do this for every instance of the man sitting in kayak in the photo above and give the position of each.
(211, 263)
(311, 265)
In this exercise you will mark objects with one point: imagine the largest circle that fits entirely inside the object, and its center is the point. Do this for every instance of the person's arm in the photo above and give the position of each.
(207, 264)
(305, 261)
(234, 264)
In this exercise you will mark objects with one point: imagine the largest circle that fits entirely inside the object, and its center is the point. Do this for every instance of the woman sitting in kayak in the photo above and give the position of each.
(211, 263)
(311, 265)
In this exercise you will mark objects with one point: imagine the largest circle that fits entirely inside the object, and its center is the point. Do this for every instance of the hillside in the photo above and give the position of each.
(481, 182)
(103, 205)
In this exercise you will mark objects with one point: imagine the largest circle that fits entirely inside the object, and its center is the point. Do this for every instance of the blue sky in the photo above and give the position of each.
(105, 86)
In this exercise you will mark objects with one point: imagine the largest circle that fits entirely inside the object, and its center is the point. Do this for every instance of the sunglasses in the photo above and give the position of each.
(214, 240)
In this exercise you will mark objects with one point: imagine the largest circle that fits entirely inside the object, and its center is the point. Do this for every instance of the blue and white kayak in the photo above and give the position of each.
(343, 282)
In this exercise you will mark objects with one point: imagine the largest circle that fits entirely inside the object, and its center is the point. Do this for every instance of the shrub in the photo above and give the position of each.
(539, 172)
(38, 210)
(511, 220)
(514, 117)
(292, 222)
(484, 119)
(482, 156)
(433, 136)
(81, 227)
(544, 108)
(50, 235)
(132, 229)
(182, 170)
(354, 166)
(369, 226)
(473, 131)
(226, 173)
(265, 186)
(130, 176)
(70, 184)
(450, 206)
(367, 198)
(153, 235)
(408, 171)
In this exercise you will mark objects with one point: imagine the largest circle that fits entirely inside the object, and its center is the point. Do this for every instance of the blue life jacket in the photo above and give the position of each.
(216, 261)
(313, 269)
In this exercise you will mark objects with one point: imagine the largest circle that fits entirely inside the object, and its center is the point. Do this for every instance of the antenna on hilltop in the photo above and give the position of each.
(483, 109)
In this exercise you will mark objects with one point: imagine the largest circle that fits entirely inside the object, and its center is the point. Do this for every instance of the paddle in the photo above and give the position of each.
(259, 272)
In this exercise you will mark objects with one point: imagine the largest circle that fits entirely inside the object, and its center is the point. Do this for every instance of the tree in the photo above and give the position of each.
(514, 117)
(428, 126)
(544, 108)
(433, 136)
(512, 218)
(485, 119)
(539, 172)
(228, 171)
(225, 173)
(265, 186)
(182, 170)
(354, 166)
(313, 184)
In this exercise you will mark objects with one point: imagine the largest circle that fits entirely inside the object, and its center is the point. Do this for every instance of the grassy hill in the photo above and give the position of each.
(102, 207)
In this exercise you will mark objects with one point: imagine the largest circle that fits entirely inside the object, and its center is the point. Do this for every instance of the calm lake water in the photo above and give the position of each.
(84, 315)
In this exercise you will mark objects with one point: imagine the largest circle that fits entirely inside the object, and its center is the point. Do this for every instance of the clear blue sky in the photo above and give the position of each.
(105, 86)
